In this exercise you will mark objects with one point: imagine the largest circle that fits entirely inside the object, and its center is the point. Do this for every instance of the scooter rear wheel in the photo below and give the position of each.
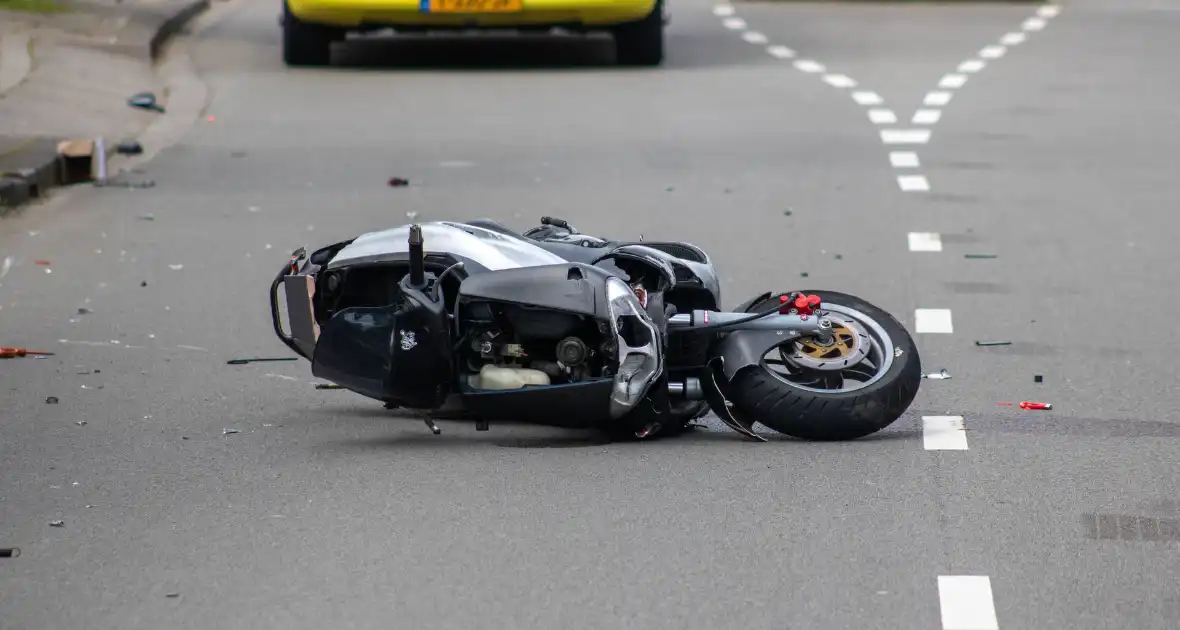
(859, 383)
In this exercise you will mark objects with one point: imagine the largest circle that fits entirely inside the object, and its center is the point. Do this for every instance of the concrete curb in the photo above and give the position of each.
(41, 168)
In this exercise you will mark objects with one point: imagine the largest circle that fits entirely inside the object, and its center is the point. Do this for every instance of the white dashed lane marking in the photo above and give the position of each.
(905, 136)
(754, 37)
(903, 159)
(809, 66)
(944, 433)
(925, 242)
(937, 99)
(933, 321)
(966, 602)
(972, 65)
(993, 52)
(953, 81)
(913, 183)
(781, 52)
(867, 98)
(928, 115)
(839, 81)
(1013, 39)
(882, 116)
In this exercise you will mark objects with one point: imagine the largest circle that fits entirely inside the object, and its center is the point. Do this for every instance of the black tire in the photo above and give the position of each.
(641, 43)
(822, 416)
(304, 44)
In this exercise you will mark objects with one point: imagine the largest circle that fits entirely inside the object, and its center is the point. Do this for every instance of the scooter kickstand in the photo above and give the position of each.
(433, 427)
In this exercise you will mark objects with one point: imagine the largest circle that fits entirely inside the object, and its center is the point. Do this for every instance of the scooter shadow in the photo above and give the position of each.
(522, 435)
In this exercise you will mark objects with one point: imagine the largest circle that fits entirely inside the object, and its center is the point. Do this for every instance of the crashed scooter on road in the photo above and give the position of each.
(559, 328)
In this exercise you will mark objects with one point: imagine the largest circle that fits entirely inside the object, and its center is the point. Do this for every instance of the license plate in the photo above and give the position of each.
(475, 6)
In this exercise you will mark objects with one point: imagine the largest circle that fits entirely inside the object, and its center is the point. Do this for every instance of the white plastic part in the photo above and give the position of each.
(495, 377)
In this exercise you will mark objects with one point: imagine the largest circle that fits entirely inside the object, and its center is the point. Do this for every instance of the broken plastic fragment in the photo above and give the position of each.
(176, 267)
(57, 523)
(993, 343)
(145, 100)
(229, 431)
(51, 400)
(398, 182)
(941, 374)
(81, 423)
(1035, 405)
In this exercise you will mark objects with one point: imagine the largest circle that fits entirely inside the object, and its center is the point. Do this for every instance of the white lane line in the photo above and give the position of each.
(993, 52)
(839, 81)
(882, 116)
(782, 52)
(734, 23)
(1013, 39)
(927, 116)
(953, 81)
(867, 98)
(809, 66)
(913, 183)
(754, 37)
(1033, 24)
(723, 10)
(925, 242)
(937, 99)
(905, 136)
(1049, 11)
(966, 602)
(944, 433)
(972, 65)
(933, 321)
(904, 159)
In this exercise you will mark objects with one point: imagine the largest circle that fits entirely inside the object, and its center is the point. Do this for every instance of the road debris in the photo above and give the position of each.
(82, 310)
(257, 360)
(176, 267)
(43, 263)
(229, 431)
(51, 400)
(129, 147)
(145, 100)
(147, 217)
(16, 353)
(81, 423)
(980, 256)
(986, 344)
(327, 386)
(1037, 378)
(282, 376)
(940, 375)
(5, 266)
(172, 595)
(1035, 405)
(9, 552)
(803, 274)
(786, 213)
(57, 523)
(398, 182)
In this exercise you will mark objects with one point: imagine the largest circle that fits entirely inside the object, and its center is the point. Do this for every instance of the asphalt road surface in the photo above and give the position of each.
(1055, 152)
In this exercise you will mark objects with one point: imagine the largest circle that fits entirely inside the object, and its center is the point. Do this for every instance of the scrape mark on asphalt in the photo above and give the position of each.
(966, 602)
(1131, 528)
